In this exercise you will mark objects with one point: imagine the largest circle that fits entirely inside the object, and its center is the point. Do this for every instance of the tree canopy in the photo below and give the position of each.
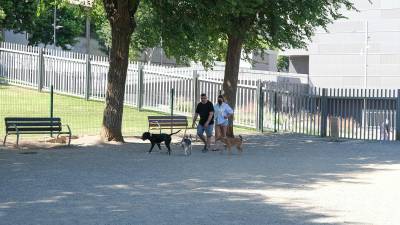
(36, 18)
(199, 29)
(203, 30)
(147, 33)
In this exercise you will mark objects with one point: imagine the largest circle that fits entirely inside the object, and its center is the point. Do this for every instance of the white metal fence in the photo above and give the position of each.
(147, 86)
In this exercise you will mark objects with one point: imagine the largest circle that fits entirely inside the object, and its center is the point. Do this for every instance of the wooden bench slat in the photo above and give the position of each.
(164, 127)
(22, 129)
(166, 117)
(167, 122)
(37, 124)
(16, 119)
(37, 132)
(34, 125)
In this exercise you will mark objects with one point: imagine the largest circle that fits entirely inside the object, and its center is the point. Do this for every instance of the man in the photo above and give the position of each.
(206, 124)
(222, 112)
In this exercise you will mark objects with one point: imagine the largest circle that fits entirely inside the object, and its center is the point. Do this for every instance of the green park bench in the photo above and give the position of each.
(34, 125)
(168, 122)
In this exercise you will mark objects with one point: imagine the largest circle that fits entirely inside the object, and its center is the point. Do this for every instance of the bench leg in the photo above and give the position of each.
(69, 139)
(17, 139)
(4, 141)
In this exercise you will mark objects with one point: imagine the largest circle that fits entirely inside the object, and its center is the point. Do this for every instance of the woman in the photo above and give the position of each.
(222, 112)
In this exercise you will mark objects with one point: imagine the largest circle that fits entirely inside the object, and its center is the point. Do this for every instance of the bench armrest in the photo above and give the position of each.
(69, 129)
(156, 123)
(15, 126)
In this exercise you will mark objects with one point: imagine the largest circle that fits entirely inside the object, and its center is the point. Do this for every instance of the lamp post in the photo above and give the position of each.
(55, 23)
(366, 55)
(87, 4)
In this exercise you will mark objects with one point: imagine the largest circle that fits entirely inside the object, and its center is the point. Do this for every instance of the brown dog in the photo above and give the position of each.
(231, 142)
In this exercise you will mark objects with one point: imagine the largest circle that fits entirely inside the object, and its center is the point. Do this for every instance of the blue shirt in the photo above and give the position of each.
(222, 111)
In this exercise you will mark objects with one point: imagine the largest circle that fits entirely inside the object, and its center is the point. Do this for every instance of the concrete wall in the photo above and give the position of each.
(299, 64)
(366, 47)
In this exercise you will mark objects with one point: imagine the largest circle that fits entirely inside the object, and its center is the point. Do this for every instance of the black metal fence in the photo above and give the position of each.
(367, 114)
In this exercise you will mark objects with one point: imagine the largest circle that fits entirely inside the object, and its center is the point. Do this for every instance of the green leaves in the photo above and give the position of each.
(36, 18)
(198, 29)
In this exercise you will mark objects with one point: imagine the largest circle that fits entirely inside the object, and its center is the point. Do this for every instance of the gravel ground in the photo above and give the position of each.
(279, 179)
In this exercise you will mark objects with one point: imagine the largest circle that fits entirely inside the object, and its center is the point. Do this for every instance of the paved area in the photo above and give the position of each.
(281, 179)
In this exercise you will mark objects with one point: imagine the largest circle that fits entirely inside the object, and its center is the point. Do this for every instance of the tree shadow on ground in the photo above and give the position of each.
(277, 180)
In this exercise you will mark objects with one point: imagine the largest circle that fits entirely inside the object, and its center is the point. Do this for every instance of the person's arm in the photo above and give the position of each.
(210, 116)
(194, 119)
(196, 114)
(228, 111)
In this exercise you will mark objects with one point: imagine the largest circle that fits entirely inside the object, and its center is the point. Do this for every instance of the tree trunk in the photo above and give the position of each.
(120, 14)
(229, 86)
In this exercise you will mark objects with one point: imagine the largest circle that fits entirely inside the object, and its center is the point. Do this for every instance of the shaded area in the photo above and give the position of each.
(277, 180)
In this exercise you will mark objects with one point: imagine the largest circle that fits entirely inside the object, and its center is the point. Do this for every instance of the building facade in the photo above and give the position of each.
(362, 51)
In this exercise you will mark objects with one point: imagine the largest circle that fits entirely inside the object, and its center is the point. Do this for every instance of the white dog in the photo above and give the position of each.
(186, 144)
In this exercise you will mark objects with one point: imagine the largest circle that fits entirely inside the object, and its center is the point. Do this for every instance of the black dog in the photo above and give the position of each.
(156, 139)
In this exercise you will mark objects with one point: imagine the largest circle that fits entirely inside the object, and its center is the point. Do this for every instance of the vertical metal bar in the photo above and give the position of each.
(382, 115)
(324, 112)
(385, 115)
(140, 90)
(41, 70)
(369, 103)
(287, 111)
(319, 110)
(51, 110)
(275, 111)
(393, 114)
(258, 104)
(295, 98)
(261, 109)
(398, 115)
(314, 107)
(278, 109)
(172, 107)
(352, 114)
(374, 107)
(348, 114)
(88, 77)
(344, 99)
(196, 90)
(364, 115)
(307, 114)
(341, 112)
(357, 111)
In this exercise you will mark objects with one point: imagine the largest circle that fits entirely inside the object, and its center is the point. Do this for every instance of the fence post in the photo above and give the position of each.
(172, 95)
(88, 77)
(324, 112)
(139, 94)
(398, 115)
(51, 107)
(196, 88)
(41, 70)
(275, 110)
(260, 107)
(172, 106)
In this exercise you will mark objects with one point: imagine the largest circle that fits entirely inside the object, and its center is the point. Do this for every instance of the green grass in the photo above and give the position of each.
(84, 117)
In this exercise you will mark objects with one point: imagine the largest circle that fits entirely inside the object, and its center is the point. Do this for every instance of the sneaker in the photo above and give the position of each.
(204, 149)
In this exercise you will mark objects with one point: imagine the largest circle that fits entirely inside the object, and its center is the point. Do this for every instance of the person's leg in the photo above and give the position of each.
(224, 129)
(209, 132)
(200, 131)
(217, 132)
(217, 136)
